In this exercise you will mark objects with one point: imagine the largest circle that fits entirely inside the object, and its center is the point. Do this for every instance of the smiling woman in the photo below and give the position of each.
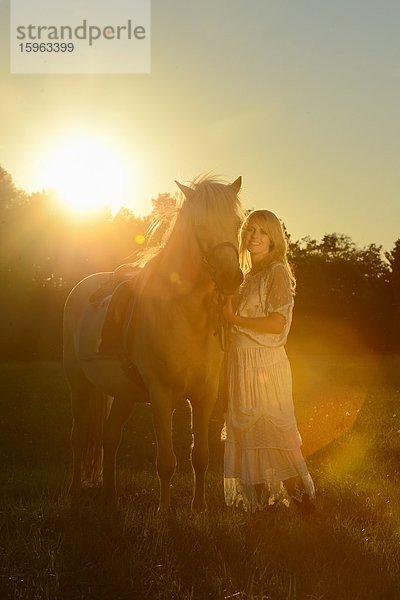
(88, 175)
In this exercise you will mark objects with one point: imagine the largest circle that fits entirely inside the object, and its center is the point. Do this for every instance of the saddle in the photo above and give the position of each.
(120, 310)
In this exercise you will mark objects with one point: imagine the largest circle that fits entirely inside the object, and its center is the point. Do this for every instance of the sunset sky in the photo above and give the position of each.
(300, 97)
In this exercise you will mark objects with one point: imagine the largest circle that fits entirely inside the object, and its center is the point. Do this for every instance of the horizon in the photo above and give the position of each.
(75, 216)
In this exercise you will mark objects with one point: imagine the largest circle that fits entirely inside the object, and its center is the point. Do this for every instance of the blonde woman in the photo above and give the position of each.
(263, 463)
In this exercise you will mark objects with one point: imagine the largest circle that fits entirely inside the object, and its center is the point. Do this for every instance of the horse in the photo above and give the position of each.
(170, 348)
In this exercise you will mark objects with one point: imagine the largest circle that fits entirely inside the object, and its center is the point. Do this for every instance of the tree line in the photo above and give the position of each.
(345, 294)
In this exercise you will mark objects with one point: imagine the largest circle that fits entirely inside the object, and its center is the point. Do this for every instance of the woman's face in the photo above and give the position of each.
(256, 240)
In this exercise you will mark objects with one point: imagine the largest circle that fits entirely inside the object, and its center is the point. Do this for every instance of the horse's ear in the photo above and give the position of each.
(187, 191)
(236, 185)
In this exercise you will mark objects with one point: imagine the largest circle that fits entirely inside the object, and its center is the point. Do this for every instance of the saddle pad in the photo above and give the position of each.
(105, 322)
(91, 329)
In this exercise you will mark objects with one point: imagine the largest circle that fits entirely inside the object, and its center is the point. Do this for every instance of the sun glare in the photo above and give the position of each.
(88, 175)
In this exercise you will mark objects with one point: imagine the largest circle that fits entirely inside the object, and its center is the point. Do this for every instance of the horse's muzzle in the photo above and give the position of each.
(228, 282)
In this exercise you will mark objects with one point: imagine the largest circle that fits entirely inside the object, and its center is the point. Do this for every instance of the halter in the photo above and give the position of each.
(222, 327)
(207, 256)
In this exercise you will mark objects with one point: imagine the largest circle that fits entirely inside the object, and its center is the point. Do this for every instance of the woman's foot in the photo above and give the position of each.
(305, 506)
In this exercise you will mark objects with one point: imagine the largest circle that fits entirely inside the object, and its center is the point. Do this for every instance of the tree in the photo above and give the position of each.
(44, 253)
(339, 281)
(393, 258)
(10, 195)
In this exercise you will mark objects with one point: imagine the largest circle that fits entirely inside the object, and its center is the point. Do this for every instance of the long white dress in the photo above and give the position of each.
(262, 442)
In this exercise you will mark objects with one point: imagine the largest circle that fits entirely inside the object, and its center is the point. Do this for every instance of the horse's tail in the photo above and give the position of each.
(92, 454)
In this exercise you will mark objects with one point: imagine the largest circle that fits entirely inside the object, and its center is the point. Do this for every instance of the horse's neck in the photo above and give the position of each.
(181, 266)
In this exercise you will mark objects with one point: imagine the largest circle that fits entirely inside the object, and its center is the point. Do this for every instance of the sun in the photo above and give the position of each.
(88, 174)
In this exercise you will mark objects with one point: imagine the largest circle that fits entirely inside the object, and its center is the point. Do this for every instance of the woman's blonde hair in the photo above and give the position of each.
(278, 241)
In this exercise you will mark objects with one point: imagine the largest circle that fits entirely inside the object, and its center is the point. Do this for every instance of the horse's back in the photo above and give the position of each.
(81, 293)
(76, 306)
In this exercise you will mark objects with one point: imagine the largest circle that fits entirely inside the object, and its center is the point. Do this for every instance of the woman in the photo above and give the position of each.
(263, 463)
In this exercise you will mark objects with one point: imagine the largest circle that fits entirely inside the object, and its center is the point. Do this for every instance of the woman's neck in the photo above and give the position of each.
(258, 265)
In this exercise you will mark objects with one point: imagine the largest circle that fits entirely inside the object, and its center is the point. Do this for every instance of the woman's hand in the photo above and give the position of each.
(272, 323)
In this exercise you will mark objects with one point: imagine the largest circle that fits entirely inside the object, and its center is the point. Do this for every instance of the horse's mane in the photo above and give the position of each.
(212, 205)
(157, 235)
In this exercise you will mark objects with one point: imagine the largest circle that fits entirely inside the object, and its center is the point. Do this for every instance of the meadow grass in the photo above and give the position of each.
(349, 415)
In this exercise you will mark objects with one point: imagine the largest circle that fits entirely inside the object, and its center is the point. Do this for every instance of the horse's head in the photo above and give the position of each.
(215, 214)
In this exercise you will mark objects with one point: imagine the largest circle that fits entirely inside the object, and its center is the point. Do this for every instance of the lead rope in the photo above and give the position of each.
(222, 327)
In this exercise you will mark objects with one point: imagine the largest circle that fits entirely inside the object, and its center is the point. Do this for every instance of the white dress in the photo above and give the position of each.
(262, 442)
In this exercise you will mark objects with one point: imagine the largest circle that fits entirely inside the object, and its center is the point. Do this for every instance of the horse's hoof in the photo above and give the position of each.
(77, 501)
(163, 510)
(110, 502)
(74, 491)
(75, 496)
(199, 508)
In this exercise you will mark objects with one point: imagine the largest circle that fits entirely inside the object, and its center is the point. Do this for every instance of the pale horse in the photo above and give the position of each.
(166, 348)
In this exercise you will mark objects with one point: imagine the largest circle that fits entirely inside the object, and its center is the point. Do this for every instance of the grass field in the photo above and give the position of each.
(348, 410)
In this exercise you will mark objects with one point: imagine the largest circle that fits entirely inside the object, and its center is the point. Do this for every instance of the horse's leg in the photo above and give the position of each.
(120, 412)
(80, 420)
(89, 408)
(201, 413)
(166, 460)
